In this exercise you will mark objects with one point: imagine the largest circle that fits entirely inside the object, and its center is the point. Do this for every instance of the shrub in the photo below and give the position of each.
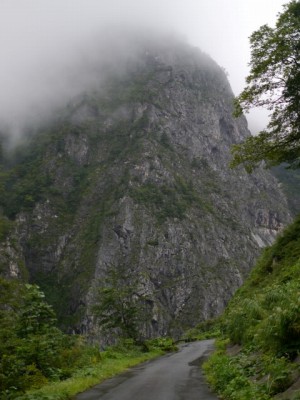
(242, 319)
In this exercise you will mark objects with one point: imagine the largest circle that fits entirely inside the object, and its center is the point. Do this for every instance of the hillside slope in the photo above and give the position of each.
(134, 176)
(262, 322)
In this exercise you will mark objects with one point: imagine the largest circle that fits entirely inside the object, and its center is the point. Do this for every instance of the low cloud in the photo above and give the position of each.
(51, 50)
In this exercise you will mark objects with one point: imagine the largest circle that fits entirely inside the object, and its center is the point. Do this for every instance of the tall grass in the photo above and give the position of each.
(113, 361)
(262, 322)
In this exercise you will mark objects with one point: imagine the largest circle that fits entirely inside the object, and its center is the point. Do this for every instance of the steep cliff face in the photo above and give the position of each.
(135, 175)
(289, 181)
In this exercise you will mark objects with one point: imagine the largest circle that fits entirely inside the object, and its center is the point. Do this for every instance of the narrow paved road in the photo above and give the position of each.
(176, 376)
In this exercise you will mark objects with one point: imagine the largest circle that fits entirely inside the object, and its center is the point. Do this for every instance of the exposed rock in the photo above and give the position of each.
(139, 178)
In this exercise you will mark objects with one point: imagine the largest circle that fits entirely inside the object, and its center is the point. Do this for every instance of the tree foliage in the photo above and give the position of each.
(33, 350)
(120, 308)
(273, 83)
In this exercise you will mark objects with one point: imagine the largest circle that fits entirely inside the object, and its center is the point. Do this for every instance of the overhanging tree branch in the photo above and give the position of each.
(274, 83)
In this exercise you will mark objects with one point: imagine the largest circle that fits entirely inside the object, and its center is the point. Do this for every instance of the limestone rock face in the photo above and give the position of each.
(138, 177)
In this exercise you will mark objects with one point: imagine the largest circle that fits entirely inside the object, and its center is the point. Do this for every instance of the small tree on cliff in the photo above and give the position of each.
(274, 83)
(119, 308)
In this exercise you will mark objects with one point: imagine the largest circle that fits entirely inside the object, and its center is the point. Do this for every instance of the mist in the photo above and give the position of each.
(52, 50)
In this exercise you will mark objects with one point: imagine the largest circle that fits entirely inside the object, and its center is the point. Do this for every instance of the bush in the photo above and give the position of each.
(164, 344)
(32, 350)
(229, 377)
(242, 319)
(279, 332)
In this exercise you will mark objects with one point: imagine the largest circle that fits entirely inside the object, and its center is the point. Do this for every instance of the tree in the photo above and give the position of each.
(36, 316)
(30, 344)
(120, 308)
(274, 83)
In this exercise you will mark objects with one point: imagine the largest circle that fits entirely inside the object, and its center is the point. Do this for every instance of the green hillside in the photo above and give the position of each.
(258, 357)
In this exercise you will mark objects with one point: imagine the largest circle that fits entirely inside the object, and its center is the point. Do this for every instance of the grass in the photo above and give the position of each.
(112, 362)
(261, 326)
(229, 379)
(248, 375)
(204, 330)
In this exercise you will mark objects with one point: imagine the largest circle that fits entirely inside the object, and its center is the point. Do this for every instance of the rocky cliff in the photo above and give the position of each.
(134, 174)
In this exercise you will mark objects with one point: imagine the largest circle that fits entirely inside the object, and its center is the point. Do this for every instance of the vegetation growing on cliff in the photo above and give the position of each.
(170, 201)
(119, 308)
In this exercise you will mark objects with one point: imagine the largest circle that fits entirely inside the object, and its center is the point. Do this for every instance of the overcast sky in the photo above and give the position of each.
(40, 38)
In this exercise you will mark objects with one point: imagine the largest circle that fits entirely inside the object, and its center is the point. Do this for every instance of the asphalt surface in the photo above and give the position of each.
(175, 376)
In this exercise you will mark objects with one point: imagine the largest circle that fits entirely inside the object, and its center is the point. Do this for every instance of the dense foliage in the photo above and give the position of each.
(96, 368)
(262, 324)
(119, 308)
(274, 83)
(38, 361)
(32, 350)
(258, 356)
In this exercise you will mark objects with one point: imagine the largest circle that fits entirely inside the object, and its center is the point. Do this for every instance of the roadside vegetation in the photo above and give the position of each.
(204, 330)
(257, 354)
(258, 351)
(96, 367)
(38, 361)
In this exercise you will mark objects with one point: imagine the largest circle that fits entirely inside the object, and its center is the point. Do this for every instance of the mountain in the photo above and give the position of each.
(133, 176)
